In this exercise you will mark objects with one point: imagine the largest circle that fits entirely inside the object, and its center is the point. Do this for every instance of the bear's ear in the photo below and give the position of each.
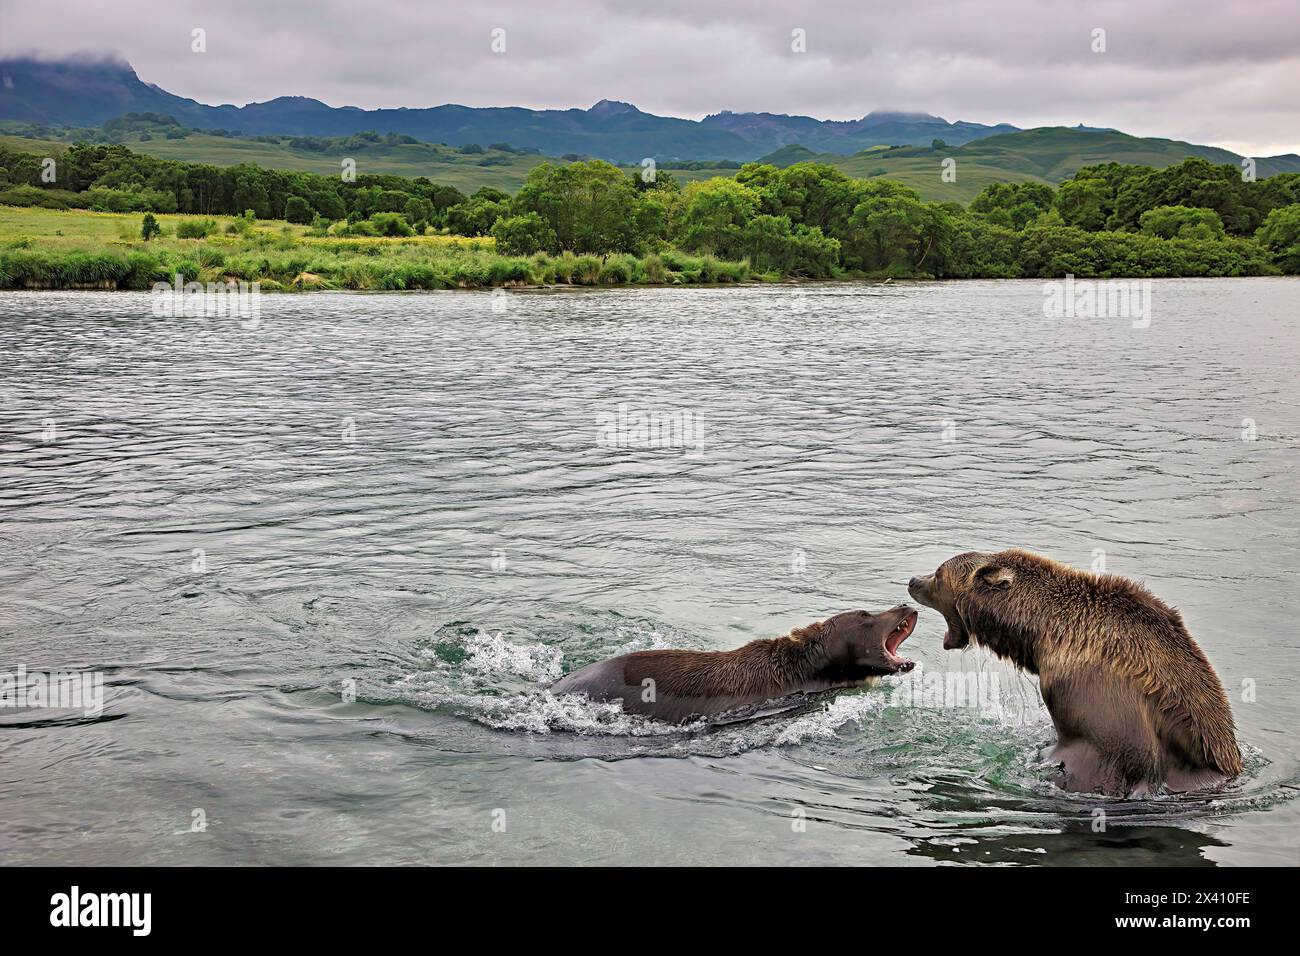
(813, 632)
(995, 576)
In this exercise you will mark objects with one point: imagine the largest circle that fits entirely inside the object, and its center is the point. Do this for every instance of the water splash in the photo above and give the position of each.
(492, 654)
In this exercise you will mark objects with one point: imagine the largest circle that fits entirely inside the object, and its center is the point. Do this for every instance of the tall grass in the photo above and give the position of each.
(36, 268)
(104, 251)
(46, 269)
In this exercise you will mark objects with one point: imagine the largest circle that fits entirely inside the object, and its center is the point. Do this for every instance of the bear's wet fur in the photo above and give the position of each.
(1134, 700)
(847, 650)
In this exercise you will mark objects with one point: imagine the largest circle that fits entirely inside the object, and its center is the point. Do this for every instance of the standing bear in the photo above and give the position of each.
(1135, 703)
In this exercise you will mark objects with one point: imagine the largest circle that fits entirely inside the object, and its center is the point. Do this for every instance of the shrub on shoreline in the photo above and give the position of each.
(401, 268)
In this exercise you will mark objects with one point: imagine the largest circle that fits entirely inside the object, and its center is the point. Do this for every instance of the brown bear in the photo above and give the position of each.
(1135, 703)
(847, 650)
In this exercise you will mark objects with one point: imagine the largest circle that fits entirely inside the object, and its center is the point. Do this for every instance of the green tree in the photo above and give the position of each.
(391, 200)
(490, 194)
(1013, 205)
(813, 194)
(523, 235)
(1280, 237)
(250, 191)
(1282, 190)
(979, 249)
(714, 215)
(297, 210)
(149, 227)
(1086, 203)
(475, 217)
(591, 206)
(658, 216)
(1195, 182)
(663, 180)
(859, 245)
(1181, 222)
(896, 230)
(773, 244)
(418, 209)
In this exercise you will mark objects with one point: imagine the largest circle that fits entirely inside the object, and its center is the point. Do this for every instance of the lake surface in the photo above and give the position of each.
(327, 567)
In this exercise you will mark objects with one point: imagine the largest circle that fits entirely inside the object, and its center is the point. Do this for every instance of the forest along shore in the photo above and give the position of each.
(116, 219)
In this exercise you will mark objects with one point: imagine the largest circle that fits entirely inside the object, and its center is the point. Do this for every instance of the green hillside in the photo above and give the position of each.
(444, 164)
(1046, 155)
(30, 144)
(499, 169)
(915, 166)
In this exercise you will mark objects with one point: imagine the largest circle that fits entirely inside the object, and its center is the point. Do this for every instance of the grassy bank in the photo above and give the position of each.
(77, 249)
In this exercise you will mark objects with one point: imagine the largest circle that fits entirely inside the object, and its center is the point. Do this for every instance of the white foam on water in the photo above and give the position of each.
(543, 713)
(654, 641)
(484, 685)
(493, 655)
(827, 721)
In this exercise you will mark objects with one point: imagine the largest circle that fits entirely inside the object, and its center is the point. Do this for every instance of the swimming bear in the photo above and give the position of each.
(847, 650)
(1135, 703)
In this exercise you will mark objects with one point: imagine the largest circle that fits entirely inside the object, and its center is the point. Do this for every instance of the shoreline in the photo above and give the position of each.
(744, 284)
(81, 250)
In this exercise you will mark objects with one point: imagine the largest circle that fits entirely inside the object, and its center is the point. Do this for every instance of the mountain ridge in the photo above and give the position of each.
(90, 89)
(76, 92)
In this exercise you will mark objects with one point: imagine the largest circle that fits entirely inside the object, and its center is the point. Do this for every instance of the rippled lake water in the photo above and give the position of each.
(327, 567)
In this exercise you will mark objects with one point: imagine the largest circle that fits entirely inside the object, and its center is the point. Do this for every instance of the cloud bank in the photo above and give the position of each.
(1185, 69)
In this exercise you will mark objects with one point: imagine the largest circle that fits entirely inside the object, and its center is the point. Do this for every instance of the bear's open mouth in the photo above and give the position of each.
(955, 637)
(896, 637)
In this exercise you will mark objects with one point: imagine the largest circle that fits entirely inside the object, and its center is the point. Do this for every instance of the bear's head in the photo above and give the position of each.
(967, 589)
(859, 643)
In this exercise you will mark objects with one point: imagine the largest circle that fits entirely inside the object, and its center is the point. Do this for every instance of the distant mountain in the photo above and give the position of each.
(771, 131)
(89, 92)
(79, 91)
(794, 153)
(85, 91)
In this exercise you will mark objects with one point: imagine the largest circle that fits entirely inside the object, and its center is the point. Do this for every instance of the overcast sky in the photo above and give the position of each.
(1225, 74)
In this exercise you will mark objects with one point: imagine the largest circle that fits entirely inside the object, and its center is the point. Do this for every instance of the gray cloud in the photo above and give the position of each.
(1187, 69)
